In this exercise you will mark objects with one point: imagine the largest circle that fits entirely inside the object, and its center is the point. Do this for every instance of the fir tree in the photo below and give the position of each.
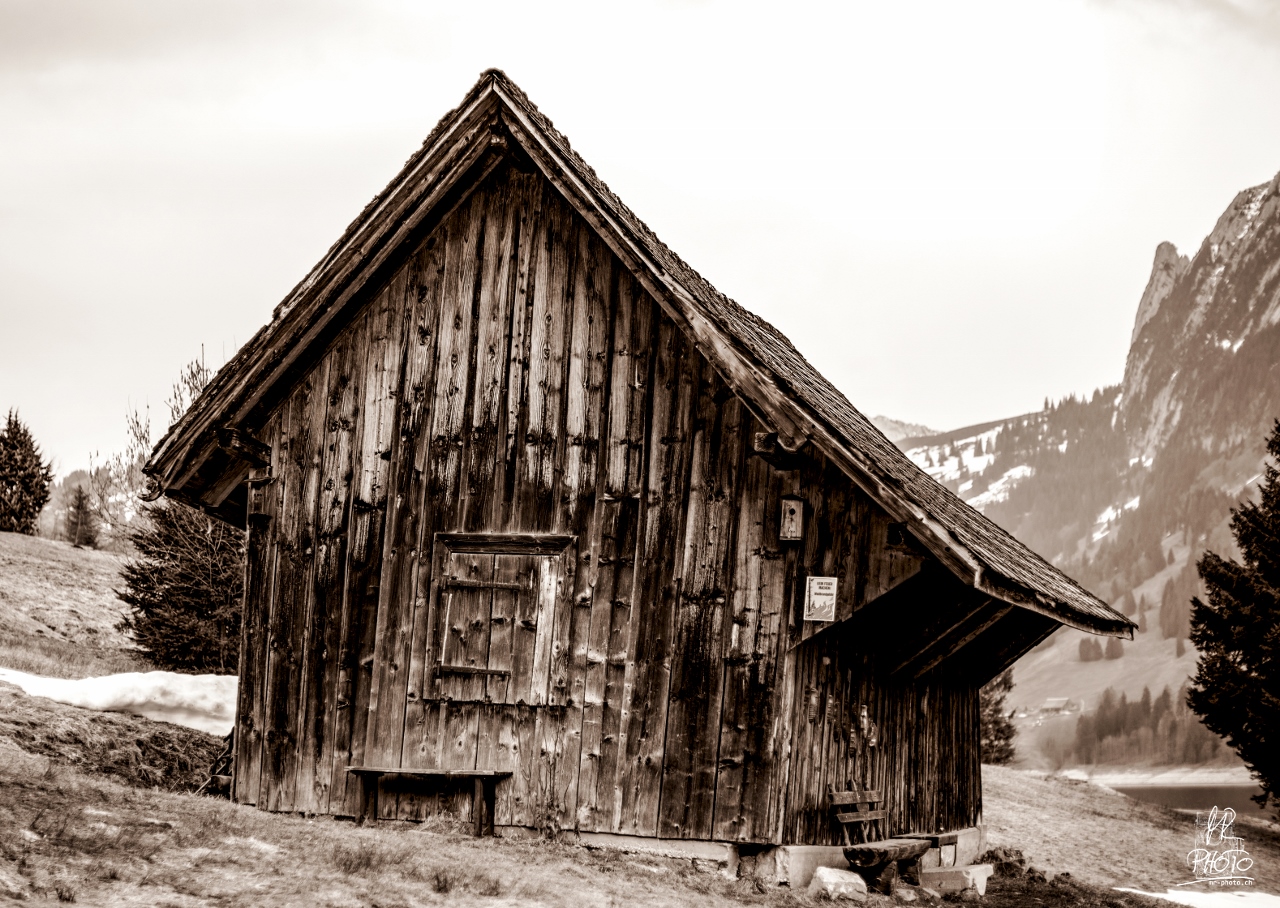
(997, 731)
(80, 524)
(24, 478)
(184, 589)
(1236, 688)
(1115, 649)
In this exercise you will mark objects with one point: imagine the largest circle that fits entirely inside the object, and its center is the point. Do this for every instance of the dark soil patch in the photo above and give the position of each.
(131, 749)
(1060, 892)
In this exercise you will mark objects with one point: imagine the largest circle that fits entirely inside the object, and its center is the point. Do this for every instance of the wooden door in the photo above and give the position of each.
(495, 603)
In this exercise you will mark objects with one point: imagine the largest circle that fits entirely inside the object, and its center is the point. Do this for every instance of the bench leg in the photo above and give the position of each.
(490, 802)
(477, 800)
(368, 798)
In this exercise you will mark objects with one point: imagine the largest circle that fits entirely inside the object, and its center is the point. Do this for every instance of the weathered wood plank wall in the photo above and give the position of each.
(511, 377)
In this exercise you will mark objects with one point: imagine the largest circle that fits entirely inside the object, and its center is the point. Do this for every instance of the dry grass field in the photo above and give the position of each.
(58, 610)
(1106, 838)
(73, 830)
(98, 808)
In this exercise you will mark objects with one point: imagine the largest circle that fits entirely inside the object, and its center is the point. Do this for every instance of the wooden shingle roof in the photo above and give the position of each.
(757, 360)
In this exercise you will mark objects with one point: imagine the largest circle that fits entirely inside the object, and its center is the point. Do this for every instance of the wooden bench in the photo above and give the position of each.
(870, 855)
(857, 809)
(486, 783)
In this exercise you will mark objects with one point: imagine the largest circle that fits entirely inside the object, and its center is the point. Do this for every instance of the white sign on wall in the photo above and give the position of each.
(820, 599)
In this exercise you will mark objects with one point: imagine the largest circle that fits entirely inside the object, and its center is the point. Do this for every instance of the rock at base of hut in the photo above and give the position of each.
(957, 879)
(838, 884)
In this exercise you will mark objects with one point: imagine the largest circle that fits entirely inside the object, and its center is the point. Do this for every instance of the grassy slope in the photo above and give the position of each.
(1103, 837)
(58, 611)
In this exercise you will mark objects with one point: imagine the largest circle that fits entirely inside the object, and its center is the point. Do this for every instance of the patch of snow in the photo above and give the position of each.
(965, 486)
(1225, 344)
(1000, 489)
(1236, 345)
(1251, 211)
(1062, 448)
(1132, 503)
(204, 702)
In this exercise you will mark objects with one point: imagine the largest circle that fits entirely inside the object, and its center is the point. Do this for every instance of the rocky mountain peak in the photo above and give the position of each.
(1197, 314)
(1165, 271)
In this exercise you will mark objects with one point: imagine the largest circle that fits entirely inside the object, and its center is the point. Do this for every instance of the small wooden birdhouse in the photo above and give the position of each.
(791, 526)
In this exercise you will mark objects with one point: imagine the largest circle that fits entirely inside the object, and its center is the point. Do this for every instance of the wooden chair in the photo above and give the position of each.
(857, 809)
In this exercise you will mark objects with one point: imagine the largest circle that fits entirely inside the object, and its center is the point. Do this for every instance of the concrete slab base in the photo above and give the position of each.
(957, 879)
(719, 856)
(953, 849)
(793, 865)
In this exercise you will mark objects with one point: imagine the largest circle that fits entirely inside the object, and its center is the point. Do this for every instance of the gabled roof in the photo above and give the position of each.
(758, 362)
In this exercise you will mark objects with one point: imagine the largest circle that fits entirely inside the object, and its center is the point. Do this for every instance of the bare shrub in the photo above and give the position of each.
(367, 857)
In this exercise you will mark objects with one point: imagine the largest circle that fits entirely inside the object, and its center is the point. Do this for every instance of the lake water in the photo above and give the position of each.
(1198, 797)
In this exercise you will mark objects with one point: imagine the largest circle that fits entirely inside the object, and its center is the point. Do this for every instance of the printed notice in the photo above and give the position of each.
(820, 599)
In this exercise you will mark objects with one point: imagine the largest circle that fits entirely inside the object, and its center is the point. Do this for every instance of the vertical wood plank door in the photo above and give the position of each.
(495, 605)
(488, 610)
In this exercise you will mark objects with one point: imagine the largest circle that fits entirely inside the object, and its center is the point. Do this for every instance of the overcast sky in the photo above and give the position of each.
(951, 208)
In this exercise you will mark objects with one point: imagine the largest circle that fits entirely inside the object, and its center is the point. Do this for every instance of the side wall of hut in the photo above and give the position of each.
(514, 520)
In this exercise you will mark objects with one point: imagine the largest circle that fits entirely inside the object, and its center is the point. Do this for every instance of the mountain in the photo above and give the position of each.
(896, 430)
(1126, 488)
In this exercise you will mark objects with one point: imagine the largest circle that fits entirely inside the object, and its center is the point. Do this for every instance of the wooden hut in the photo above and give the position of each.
(526, 498)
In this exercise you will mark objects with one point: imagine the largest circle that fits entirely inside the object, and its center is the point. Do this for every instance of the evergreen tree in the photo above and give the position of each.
(80, 524)
(24, 478)
(184, 589)
(997, 731)
(1115, 649)
(1236, 688)
(185, 586)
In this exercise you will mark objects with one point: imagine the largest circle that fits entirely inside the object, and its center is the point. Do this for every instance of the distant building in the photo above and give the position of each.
(1057, 706)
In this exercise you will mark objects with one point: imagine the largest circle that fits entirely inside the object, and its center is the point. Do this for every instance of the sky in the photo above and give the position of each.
(951, 208)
